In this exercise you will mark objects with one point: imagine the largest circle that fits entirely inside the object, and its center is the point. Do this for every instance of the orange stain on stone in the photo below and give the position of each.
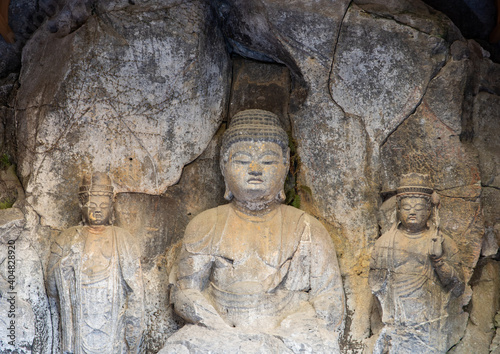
(5, 30)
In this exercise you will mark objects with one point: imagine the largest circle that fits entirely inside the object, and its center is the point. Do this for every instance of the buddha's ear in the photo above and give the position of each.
(281, 196)
(228, 195)
(223, 160)
(221, 165)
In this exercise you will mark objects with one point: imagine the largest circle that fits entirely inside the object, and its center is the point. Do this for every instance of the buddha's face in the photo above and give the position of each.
(97, 211)
(414, 213)
(255, 171)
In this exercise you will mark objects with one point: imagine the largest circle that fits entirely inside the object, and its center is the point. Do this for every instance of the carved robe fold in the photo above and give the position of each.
(260, 274)
(415, 295)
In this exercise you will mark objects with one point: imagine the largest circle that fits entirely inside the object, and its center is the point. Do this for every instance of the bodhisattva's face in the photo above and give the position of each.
(97, 211)
(255, 171)
(414, 213)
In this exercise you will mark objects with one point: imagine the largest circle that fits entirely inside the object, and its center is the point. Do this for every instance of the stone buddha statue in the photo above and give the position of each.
(416, 275)
(95, 280)
(255, 275)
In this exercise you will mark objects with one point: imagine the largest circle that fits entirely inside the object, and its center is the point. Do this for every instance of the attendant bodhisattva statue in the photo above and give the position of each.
(416, 275)
(95, 279)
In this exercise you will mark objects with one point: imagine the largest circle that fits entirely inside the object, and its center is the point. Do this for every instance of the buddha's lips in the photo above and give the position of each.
(255, 181)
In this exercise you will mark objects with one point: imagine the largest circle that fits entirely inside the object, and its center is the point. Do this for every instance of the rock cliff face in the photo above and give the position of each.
(368, 89)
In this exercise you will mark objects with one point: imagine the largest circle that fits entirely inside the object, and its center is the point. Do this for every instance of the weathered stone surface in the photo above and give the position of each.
(414, 14)
(339, 143)
(11, 224)
(320, 128)
(491, 211)
(417, 276)
(424, 144)
(483, 308)
(381, 71)
(11, 190)
(159, 223)
(138, 95)
(487, 141)
(23, 299)
(260, 85)
(201, 340)
(495, 343)
(94, 279)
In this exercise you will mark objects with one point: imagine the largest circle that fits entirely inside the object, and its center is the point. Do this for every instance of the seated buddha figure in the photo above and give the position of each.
(416, 275)
(255, 275)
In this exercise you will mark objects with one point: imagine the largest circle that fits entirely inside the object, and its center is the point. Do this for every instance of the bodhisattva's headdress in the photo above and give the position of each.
(254, 125)
(97, 184)
(414, 185)
(418, 185)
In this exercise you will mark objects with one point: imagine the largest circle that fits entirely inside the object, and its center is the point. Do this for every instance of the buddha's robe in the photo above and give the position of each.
(98, 290)
(414, 292)
(277, 274)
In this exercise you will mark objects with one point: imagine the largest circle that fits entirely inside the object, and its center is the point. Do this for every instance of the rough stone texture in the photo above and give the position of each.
(159, 223)
(10, 53)
(236, 342)
(94, 279)
(483, 308)
(425, 144)
(487, 142)
(381, 70)
(137, 91)
(446, 126)
(255, 265)
(7, 121)
(417, 282)
(257, 85)
(11, 191)
(487, 129)
(339, 147)
(339, 138)
(26, 293)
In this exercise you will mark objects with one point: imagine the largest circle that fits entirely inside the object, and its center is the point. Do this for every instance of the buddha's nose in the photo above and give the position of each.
(255, 169)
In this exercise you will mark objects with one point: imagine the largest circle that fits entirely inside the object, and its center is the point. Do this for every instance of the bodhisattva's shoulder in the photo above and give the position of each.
(386, 236)
(125, 237)
(121, 231)
(68, 235)
(65, 239)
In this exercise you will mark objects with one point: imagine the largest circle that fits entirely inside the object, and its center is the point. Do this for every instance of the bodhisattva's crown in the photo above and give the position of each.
(414, 183)
(98, 184)
(254, 125)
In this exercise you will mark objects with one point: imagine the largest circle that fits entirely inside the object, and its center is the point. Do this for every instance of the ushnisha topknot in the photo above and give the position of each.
(254, 125)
